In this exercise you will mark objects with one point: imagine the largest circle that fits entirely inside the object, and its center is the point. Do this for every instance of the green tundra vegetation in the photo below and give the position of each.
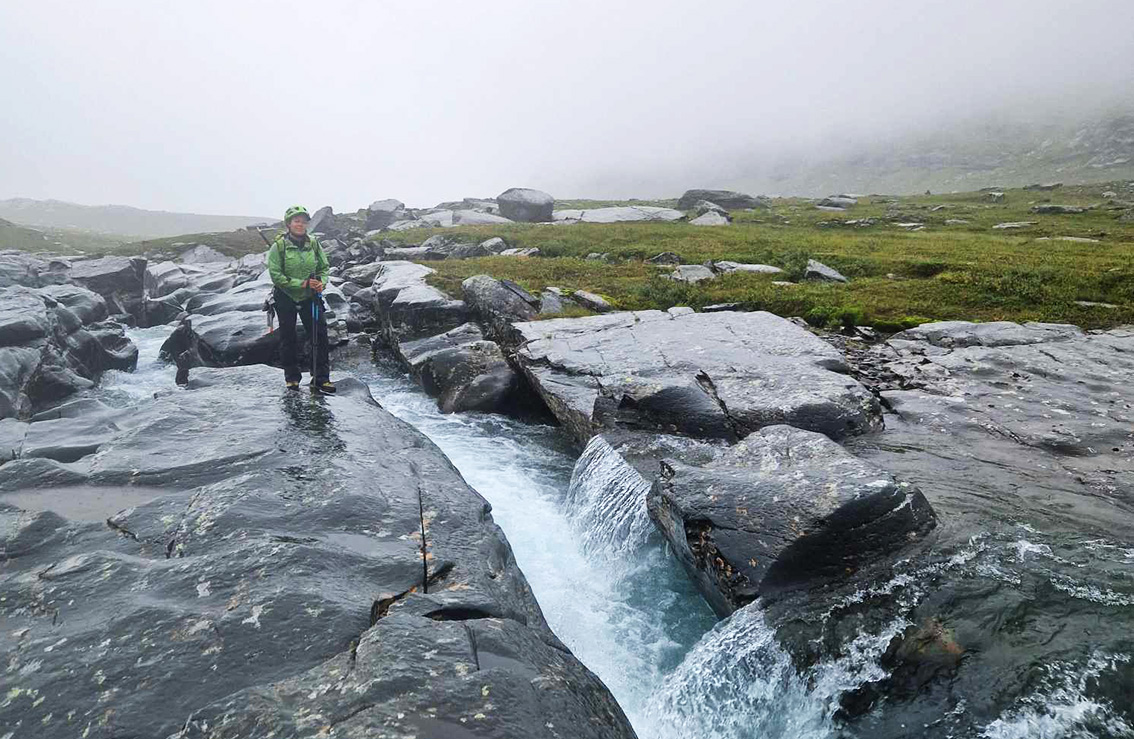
(955, 266)
(910, 259)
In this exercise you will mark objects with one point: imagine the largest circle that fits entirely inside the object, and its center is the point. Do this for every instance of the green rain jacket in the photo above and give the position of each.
(297, 264)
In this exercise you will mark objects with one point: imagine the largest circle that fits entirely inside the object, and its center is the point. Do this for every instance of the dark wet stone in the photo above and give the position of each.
(303, 563)
(722, 198)
(119, 280)
(402, 307)
(465, 372)
(498, 303)
(51, 347)
(780, 509)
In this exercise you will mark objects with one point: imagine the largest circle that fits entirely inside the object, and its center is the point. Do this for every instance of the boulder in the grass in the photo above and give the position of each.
(780, 509)
(497, 303)
(478, 218)
(525, 205)
(381, 213)
(722, 198)
(820, 272)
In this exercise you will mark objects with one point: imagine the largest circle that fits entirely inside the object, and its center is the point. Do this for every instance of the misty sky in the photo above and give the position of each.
(247, 107)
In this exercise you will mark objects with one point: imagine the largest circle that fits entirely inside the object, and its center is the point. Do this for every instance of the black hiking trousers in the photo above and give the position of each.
(286, 311)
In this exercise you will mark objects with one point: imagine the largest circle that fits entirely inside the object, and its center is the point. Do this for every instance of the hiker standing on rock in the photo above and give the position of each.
(299, 272)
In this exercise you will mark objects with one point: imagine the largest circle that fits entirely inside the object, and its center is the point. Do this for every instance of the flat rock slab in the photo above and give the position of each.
(713, 375)
(303, 563)
(619, 214)
(780, 509)
(1049, 407)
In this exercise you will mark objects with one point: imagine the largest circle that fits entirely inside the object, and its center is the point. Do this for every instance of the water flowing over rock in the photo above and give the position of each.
(780, 509)
(713, 375)
(724, 198)
(527, 206)
(300, 564)
(54, 342)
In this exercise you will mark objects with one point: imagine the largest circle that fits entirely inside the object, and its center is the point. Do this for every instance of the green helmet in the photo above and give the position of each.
(293, 211)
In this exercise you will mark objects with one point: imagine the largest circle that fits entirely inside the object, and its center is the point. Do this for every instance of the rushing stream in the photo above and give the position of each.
(611, 593)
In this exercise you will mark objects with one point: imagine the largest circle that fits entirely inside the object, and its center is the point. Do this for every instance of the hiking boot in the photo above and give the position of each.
(323, 386)
(292, 384)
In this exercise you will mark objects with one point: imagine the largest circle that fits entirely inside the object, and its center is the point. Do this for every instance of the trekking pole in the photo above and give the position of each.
(270, 302)
(314, 331)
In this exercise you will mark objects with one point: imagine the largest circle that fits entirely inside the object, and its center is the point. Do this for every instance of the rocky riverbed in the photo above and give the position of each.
(930, 531)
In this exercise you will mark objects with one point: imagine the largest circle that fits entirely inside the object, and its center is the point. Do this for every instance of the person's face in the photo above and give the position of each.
(298, 226)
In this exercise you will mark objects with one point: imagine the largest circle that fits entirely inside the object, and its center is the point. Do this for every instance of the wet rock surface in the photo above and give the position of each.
(401, 306)
(781, 508)
(712, 375)
(300, 566)
(467, 372)
(54, 342)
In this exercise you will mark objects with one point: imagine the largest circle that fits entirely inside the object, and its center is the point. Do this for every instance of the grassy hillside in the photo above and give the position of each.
(899, 277)
(13, 236)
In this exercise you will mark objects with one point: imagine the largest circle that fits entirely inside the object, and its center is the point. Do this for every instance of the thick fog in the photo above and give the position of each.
(247, 107)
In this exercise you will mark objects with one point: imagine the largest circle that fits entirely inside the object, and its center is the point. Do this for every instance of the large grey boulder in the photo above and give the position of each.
(382, 213)
(465, 372)
(822, 273)
(710, 375)
(119, 280)
(691, 273)
(724, 198)
(763, 269)
(1050, 209)
(55, 342)
(780, 509)
(711, 218)
(497, 303)
(297, 566)
(525, 205)
(402, 307)
(838, 201)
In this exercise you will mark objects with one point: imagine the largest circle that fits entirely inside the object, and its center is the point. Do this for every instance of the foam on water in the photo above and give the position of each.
(618, 603)
(1062, 707)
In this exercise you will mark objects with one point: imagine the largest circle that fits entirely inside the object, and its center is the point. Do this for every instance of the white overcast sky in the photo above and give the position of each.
(247, 107)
